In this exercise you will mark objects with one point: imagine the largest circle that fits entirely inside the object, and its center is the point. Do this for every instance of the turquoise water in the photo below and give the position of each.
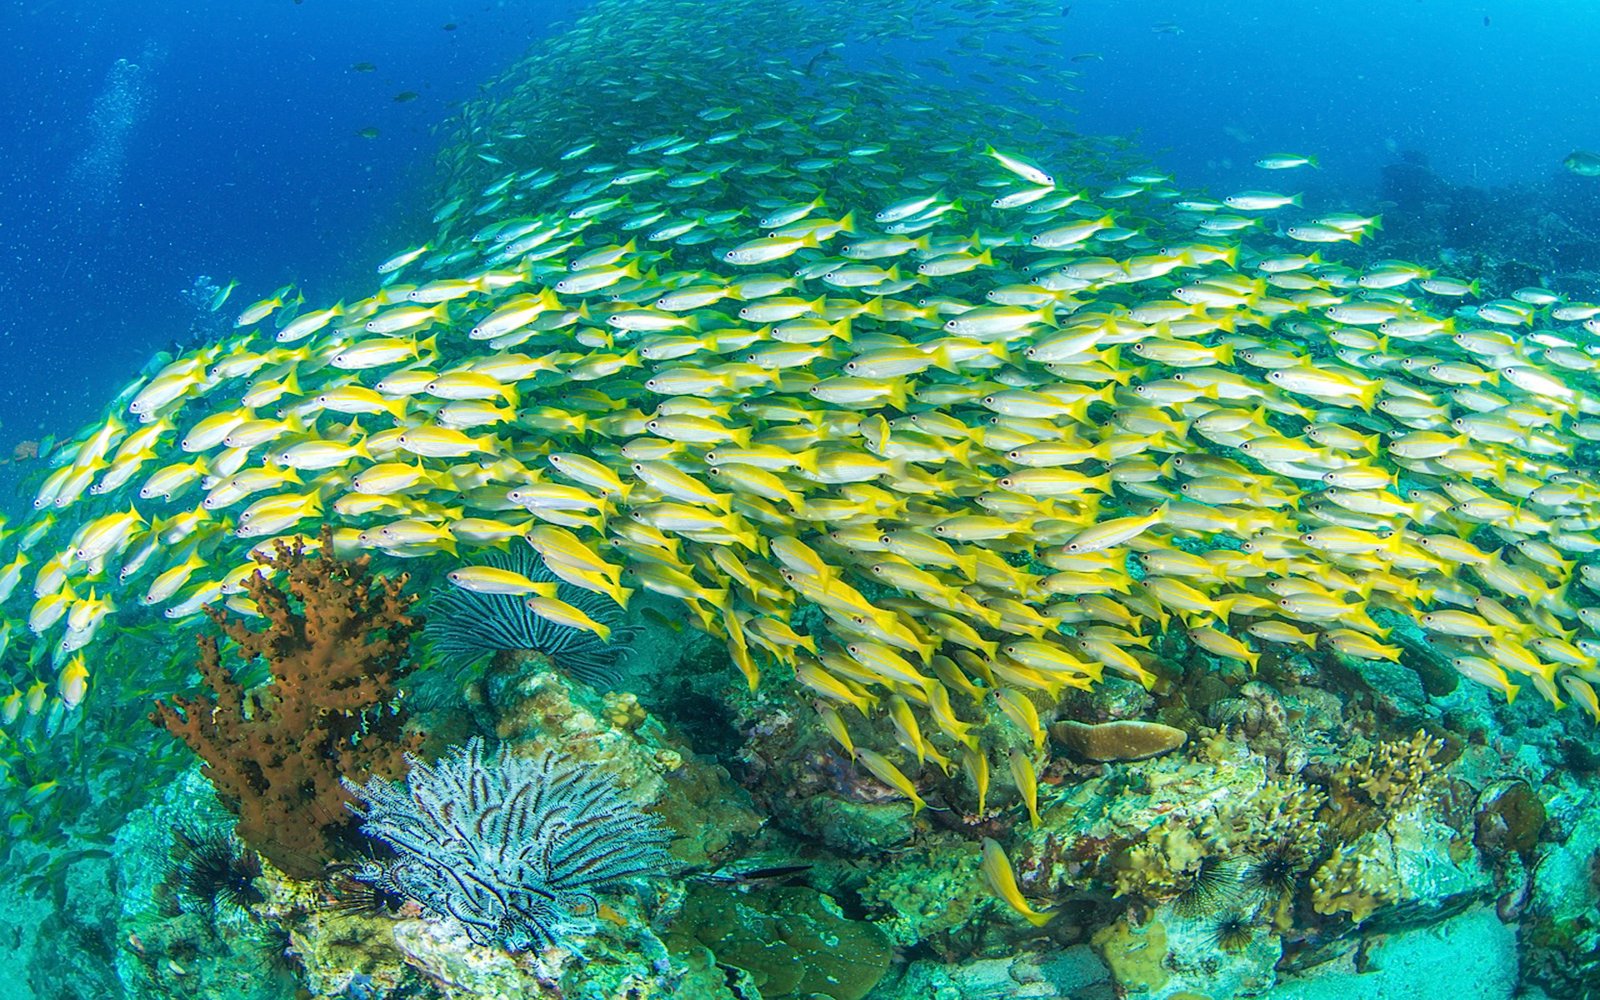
(878, 500)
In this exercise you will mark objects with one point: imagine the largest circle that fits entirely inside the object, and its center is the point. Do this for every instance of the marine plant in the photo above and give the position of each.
(335, 640)
(470, 624)
(517, 850)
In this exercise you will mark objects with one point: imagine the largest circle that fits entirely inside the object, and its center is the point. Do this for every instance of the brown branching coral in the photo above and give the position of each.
(1156, 868)
(1357, 880)
(1282, 809)
(1393, 777)
(1398, 773)
(336, 641)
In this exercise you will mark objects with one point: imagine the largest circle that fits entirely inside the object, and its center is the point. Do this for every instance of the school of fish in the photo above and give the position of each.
(900, 390)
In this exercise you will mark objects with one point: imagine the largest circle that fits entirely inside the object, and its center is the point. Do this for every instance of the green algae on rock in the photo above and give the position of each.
(793, 942)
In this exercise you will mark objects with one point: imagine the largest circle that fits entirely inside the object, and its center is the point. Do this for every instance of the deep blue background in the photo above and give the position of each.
(239, 157)
(1354, 82)
(232, 150)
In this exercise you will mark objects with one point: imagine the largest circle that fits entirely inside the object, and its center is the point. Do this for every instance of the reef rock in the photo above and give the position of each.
(1074, 973)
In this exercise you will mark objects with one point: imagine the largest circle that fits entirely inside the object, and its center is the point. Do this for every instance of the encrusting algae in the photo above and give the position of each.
(934, 442)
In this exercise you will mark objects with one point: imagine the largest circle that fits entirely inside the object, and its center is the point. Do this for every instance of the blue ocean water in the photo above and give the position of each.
(1491, 93)
(149, 144)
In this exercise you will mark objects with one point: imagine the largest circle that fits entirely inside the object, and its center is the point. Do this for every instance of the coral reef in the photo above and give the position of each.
(1509, 819)
(539, 710)
(1512, 235)
(335, 641)
(516, 849)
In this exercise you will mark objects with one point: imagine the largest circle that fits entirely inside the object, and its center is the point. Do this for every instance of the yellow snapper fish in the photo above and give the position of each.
(1001, 879)
(893, 413)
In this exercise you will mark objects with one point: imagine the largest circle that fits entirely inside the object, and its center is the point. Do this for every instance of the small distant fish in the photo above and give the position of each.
(1167, 28)
(819, 60)
(1286, 161)
(775, 874)
(450, 26)
(1088, 57)
(1260, 201)
(363, 67)
(1582, 163)
(657, 618)
(222, 294)
(406, 96)
(370, 132)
